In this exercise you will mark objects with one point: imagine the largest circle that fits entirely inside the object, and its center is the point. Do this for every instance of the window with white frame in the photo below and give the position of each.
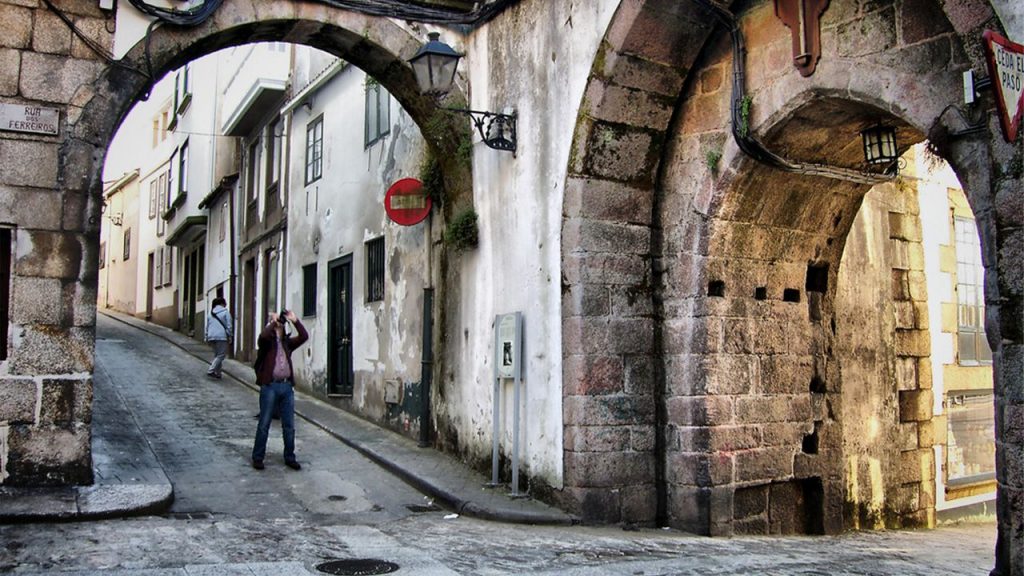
(154, 198)
(378, 112)
(158, 267)
(314, 149)
(273, 153)
(252, 170)
(183, 169)
(972, 344)
(168, 268)
(182, 89)
(162, 187)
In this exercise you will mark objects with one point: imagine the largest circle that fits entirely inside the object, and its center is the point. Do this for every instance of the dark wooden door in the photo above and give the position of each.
(339, 356)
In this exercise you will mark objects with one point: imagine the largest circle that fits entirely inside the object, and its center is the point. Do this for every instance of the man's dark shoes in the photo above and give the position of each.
(257, 464)
(293, 464)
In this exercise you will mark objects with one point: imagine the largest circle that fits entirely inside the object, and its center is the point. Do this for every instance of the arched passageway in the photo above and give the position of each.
(65, 253)
(732, 393)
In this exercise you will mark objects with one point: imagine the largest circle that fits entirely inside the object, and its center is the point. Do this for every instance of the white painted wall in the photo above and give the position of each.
(336, 215)
(519, 202)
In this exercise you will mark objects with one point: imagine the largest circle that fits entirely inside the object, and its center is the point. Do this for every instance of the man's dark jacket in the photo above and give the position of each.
(266, 350)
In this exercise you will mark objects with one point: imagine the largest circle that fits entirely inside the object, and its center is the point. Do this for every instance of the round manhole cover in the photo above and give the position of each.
(357, 567)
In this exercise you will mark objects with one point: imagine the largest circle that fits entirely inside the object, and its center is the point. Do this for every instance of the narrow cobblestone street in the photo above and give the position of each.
(230, 519)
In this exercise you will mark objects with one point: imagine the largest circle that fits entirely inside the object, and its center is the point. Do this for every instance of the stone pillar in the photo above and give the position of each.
(46, 388)
(914, 480)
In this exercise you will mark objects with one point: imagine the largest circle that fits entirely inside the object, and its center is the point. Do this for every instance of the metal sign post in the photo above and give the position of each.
(508, 338)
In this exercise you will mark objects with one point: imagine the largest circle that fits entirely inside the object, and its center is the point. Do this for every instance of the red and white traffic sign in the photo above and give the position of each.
(1006, 69)
(406, 202)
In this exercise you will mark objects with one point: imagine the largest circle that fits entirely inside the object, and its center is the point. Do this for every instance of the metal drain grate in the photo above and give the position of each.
(337, 498)
(357, 567)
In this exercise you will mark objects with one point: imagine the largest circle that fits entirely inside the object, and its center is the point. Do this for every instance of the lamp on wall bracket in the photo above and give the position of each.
(434, 66)
(880, 147)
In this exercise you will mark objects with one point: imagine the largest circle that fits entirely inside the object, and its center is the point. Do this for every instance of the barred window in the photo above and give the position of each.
(375, 270)
(127, 244)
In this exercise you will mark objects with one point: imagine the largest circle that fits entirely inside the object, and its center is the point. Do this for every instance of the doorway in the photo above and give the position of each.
(339, 338)
(248, 308)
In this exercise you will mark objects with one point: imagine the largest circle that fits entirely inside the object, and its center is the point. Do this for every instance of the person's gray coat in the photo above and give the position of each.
(218, 324)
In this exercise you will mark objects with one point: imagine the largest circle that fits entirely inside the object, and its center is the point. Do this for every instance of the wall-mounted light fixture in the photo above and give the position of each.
(434, 66)
(880, 146)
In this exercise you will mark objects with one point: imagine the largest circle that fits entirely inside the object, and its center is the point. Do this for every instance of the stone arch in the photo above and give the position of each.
(377, 45)
(655, 71)
(57, 248)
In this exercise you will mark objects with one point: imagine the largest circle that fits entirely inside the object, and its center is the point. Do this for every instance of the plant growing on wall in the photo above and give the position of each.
(745, 116)
(461, 233)
(711, 158)
(431, 177)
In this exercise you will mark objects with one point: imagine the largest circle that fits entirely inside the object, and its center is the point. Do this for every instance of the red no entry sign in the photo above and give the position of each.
(407, 202)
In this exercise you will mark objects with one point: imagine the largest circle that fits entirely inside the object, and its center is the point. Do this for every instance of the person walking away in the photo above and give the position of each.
(218, 334)
(274, 376)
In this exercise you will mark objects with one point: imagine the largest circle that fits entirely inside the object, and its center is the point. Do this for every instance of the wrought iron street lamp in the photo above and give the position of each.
(434, 66)
(880, 145)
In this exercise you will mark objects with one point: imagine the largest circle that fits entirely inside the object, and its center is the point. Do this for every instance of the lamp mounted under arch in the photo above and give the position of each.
(434, 66)
(880, 147)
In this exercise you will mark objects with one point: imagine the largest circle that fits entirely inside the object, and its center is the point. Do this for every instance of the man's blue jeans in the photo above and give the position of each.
(279, 394)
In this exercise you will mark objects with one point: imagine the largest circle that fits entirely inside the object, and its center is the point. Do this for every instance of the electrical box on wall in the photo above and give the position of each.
(106, 4)
(392, 391)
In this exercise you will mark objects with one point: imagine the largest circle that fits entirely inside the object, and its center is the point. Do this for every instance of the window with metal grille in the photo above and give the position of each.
(127, 243)
(5, 288)
(378, 112)
(309, 290)
(375, 270)
(314, 149)
(972, 345)
(103, 254)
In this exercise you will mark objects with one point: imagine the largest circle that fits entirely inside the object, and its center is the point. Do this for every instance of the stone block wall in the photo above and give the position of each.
(916, 472)
(45, 383)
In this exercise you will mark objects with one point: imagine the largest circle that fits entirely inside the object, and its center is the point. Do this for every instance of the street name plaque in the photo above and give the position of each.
(31, 119)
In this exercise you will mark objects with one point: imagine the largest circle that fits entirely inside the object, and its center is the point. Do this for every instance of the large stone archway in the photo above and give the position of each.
(55, 201)
(650, 228)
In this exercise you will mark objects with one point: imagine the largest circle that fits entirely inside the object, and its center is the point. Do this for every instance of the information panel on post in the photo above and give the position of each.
(508, 342)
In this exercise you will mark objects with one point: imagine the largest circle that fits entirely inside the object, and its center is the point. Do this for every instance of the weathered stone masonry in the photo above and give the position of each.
(748, 391)
(686, 289)
(46, 390)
